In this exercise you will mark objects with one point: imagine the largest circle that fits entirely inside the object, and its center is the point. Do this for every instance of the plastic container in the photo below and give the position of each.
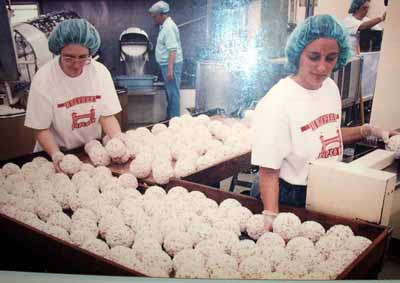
(132, 83)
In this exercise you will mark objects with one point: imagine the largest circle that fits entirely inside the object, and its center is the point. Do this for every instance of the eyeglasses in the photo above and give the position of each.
(83, 59)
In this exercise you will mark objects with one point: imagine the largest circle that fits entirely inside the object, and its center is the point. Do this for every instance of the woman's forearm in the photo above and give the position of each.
(47, 141)
(351, 135)
(369, 24)
(269, 188)
(110, 125)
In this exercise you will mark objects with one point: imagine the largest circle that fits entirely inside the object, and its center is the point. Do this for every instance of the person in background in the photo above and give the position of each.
(299, 120)
(357, 21)
(168, 55)
(72, 97)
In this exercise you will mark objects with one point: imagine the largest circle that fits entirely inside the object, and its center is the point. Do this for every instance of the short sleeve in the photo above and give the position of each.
(171, 40)
(271, 140)
(39, 111)
(352, 25)
(110, 101)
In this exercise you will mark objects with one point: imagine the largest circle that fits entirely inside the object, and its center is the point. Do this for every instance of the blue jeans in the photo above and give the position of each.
(293, 195)
(172, 89)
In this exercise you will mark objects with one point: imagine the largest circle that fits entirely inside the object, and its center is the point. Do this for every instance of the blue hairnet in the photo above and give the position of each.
(160, 7)
(321, 26)
(74, 31)
(355, 5)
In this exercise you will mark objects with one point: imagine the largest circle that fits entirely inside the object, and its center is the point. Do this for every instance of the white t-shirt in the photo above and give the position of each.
(352, 25)
(71, 107)
(293, 126)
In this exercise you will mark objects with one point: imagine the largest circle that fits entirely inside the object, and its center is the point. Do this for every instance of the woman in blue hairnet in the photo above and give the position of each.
(357, 21)
(299, 120)
(72, 98)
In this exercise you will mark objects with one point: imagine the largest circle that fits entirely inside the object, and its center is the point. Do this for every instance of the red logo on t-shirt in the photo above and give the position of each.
(79, 100)
(89, 119)
(320, 121)
(327, 152)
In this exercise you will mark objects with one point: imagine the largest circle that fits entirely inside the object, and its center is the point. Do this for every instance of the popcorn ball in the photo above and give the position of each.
(70, 164)
(311, 230)
(97, 246)
(255, 267)
(287, 225)
(255, 226)
(175, 242)
(341, 231)
(128, 181)
(60, 219)
(243, 249)
(119, 235)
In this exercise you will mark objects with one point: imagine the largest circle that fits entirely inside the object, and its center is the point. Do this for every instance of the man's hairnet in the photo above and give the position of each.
(321, 26)
(160, 7)
(74, 31)
(355, 5)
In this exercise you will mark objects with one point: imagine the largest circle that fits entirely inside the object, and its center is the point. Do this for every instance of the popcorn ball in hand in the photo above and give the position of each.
(70, 164)
(116, 148)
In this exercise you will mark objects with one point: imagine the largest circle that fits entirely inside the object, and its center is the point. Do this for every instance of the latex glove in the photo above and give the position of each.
(269, 218)
(56, 158)
(394, 145)
(372, 134)
(127, 156)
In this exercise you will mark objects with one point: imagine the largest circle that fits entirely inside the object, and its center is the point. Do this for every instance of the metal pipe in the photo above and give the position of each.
(10, 99)
(192, 21)
(309, 8)
(32, 62)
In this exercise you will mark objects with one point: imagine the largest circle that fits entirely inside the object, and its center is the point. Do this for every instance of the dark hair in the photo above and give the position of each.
(356, 4)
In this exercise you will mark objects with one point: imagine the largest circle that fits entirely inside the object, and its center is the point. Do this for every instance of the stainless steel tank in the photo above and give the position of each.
(214, 87)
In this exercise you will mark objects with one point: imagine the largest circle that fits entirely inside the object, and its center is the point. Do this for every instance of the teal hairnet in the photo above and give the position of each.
(355, 5)
(321, 26)
(160, 7)
(74, 31)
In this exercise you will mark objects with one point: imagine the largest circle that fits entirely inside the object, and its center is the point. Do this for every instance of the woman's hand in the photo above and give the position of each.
(170, 74)
(269, 218)
(383, 17)
(56, 158)
(370, 132)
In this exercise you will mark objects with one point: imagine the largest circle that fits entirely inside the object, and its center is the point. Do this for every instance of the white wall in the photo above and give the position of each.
(337, 8)
(385, 108)
(254, 18)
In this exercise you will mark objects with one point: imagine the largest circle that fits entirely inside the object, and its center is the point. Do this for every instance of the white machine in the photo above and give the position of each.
(146, 102)
(362, 189)
(134, 47)
(31, 39)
